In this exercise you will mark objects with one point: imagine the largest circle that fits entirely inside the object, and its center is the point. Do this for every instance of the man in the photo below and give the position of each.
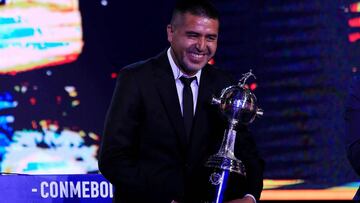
(161, 128)
(352, 117)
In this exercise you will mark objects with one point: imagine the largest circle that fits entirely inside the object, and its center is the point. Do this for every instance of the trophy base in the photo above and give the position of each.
(220, 185)
(226, 163)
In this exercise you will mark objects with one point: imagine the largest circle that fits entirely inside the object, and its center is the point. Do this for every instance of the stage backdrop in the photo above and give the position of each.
(59, 61)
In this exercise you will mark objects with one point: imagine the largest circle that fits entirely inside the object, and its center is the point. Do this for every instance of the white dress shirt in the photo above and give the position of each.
(179, 85)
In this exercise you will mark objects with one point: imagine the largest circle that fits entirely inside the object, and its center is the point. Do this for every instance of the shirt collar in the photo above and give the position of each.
(176, 70)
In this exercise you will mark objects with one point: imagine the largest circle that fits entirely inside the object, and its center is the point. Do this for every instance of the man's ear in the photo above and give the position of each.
(170, 32)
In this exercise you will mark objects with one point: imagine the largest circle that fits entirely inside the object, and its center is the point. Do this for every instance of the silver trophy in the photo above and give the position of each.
(238, 104)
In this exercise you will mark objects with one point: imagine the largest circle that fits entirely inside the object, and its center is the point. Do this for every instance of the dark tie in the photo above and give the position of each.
(188, 104)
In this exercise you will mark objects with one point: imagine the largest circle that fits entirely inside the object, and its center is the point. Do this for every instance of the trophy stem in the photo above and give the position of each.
(228, 143)
(225, 158)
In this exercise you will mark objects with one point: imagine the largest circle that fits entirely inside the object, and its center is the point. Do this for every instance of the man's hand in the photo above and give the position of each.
(245, 199)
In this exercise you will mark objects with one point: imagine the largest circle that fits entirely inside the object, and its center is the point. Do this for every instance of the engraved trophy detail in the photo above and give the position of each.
(238, 104)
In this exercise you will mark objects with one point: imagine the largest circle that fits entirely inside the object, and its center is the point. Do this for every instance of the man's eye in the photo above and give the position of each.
(211, 38)
(192, 35)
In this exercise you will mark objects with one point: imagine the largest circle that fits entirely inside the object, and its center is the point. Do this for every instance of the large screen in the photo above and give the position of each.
(36, 35)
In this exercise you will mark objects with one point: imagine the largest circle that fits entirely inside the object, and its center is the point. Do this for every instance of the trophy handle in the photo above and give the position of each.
(215, 100)
(259, 112)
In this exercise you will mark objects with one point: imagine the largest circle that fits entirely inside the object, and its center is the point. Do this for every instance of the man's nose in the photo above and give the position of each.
(201, 44)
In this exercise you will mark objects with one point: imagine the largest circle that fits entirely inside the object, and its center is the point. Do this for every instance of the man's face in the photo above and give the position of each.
(193, 41)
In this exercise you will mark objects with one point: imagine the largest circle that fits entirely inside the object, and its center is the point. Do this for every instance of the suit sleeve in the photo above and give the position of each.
(352, 118)
(118, 160)
(246, 150)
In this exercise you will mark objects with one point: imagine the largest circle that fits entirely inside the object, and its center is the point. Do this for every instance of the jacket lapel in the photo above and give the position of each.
(198, 136)
(165, 84)
(166, 87)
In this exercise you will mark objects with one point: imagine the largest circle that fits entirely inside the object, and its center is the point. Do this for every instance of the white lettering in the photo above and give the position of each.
(64, 189)
(111, 190)
(85, 189)
(53, 189)
(80, 189)
(104, 192)
(42, 189)
(75, 189)
(94, 189)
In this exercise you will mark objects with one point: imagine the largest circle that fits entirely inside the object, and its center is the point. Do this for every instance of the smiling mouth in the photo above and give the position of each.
(197, 56)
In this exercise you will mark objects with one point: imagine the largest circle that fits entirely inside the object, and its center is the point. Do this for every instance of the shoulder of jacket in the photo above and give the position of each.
(138, 67)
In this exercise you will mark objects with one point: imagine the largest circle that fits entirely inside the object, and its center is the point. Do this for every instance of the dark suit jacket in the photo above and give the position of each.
(352, 116)
(145, 153)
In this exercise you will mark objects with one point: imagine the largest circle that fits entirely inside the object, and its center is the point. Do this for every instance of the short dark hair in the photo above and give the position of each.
(202, 8)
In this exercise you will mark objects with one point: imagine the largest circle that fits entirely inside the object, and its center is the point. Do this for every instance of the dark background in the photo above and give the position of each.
(298, 49)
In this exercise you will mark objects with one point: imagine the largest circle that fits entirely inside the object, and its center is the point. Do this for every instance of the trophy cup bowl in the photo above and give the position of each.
(238, 104)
